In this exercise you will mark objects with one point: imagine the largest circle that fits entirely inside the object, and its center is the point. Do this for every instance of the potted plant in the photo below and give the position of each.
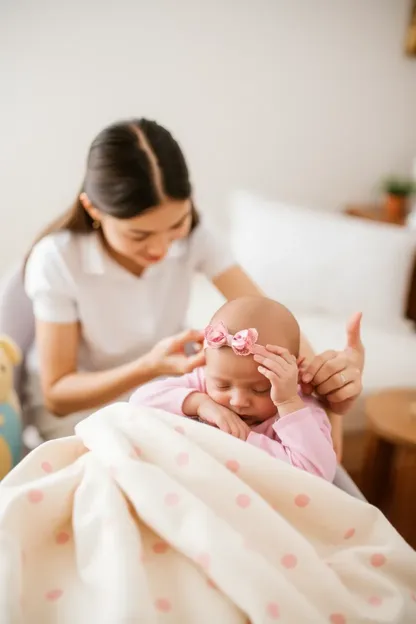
(397, 192)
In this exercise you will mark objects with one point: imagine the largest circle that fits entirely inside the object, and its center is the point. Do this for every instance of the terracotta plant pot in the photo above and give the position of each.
(395, 207)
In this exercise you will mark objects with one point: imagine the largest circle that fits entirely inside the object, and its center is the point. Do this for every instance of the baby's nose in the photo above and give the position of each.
(239, 398)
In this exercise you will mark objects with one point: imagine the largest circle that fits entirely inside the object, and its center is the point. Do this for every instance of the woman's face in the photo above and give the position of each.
(145, 240)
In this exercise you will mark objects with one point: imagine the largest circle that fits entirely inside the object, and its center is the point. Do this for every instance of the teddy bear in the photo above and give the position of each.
(10, 412)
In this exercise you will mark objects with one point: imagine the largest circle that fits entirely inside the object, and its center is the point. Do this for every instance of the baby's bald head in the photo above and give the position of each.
(275, 324)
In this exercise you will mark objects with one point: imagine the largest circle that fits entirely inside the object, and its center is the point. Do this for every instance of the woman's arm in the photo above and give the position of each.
(65, 390)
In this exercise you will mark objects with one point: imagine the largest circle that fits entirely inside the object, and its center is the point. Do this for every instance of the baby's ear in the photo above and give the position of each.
(11, 350)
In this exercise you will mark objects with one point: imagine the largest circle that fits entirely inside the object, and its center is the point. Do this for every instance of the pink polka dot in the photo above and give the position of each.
(171, 499)
(62, 538)
(180, 429)
(53, 594)
(160, 548)
(349, 533)
(378, 560)
(273, 610)
(302, 500)
(46, 466)
(163, 605)
(35, 496)
(289, 561)
(337, 618)
(232, 465)
(182, 459)
(136, 452)
(413, 596)
(211, 584)
(243, 501)
(204, 560)
(375, 601)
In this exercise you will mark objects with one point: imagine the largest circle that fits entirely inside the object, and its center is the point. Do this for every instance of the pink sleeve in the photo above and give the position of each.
(169, 394)
(304, 440)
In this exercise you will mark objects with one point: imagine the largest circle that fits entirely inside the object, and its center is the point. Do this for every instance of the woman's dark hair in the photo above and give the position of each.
(131, 166)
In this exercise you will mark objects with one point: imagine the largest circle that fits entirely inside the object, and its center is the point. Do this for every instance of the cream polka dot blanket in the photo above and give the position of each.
(144, 517)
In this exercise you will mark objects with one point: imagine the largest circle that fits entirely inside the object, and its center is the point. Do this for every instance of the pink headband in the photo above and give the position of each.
(241, 343)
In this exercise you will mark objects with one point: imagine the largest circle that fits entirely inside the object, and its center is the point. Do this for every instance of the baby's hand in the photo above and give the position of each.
(223, 418)
(280, 368)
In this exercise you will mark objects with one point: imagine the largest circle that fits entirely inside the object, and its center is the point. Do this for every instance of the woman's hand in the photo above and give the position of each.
(336, 375)
(168, 356)
(222, 417)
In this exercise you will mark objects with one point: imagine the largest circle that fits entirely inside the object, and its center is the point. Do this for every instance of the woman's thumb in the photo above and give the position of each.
(354, 331)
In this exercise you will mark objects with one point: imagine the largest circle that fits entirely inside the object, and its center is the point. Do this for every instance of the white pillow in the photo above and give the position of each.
(317, 261)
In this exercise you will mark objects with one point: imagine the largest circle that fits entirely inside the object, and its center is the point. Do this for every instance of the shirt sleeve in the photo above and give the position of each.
(48, 286)
(304, 440)
(169, 394)
(211, 252)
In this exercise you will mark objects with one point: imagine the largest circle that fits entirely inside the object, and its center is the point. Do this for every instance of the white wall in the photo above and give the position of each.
(306, 100)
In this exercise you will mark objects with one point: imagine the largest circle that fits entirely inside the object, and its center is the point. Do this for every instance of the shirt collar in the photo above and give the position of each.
(92, 254)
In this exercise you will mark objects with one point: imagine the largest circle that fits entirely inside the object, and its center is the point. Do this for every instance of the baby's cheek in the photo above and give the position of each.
(219, 397)
(265, 407)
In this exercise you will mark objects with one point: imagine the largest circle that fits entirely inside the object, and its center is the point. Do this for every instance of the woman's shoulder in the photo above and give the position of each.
(62, 247)
(56, 244)
(56, 256)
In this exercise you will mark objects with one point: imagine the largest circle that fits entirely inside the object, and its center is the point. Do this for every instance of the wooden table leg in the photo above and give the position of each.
(376, 478)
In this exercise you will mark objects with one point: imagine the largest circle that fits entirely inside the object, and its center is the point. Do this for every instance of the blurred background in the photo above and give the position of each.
(311, 102)
(298, 120)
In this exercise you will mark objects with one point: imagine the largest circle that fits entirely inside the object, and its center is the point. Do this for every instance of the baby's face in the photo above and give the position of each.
(234, 382)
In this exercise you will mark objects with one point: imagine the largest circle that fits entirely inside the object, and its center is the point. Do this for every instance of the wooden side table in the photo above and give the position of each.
(375, 213)
(389, 475)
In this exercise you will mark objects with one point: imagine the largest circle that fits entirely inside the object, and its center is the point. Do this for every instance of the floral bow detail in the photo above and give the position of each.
(241, 343)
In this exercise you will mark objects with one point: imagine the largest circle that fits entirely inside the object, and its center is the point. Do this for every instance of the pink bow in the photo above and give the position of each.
(241, 343)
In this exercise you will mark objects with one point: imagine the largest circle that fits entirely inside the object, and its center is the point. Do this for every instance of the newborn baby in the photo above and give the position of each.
(249, 386)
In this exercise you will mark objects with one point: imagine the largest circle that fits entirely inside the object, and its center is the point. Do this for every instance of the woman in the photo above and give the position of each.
(110, 284)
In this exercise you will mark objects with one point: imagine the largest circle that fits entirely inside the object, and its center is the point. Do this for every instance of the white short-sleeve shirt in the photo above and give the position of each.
(71, 278)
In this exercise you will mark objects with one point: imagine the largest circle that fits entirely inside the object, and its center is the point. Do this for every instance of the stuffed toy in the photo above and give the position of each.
(10, 412)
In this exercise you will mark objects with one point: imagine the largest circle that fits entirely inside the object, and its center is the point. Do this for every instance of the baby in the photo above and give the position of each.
(249, 386)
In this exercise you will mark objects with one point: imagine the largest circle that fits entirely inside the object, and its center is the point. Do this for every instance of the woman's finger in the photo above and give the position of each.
(316, 364)
(194, 361)
(189, 335)
(301, 362)
(282, 352)
(350, 391)
(338, 381)
(331, 368)
(306, 388)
